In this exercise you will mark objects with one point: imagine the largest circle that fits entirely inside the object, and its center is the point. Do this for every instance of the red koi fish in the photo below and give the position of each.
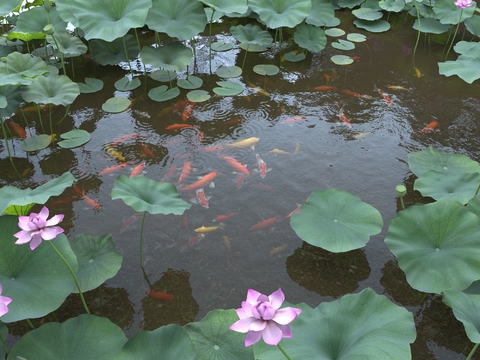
(179, 126)
(355, 58)
(222, 218)
(429, 128)
(125, 138)
(201, 198)
(327, 78)
(240, 179)
(92, 203)
(187, 167)
(343, 117)
(262, 167)
(17, 129)
(268, 223)
(180, 104)
(137, 170)
(384, 94)
(205, 180)
(355, 94)
(112, 169)
(159, 296)
(147, 151)
(294, 119)
(130, 221)
(188, 111)
(322, 88)
(235, 164)
(193, 241)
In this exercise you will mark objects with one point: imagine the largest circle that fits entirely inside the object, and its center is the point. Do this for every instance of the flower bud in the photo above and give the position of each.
(46, 5)
(48, 29)
(401, 190)
(3, 59)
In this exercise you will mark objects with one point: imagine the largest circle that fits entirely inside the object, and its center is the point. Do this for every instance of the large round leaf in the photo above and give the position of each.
(112, 53)
(143, 194)
(266, 69)
(6, 6)
(336, 220)
(343, 45)
(221, 46)
(84, 337)
(35, 19)
(163, 75)
(294, 56)
(52, 89)
(107, 19)
(67, 44)
(321, 14)
(357, 326)
(437, 245)
(173, 56)
(310, 37)
(227, 72)
(376, 26)
(466, 308)
(448, 13)
(473, 25)
(182, 19)
(74, 138)
(38, 281)
(13, 95)
(215, 341)
(465, 67)
(276, 14)
(165, 343)
(190, 83)
(227, 6)
(163, 93)
(25, 65)
(228, 88)
(98, 260)
(251, 34)
(198, 96)
(37, 142)
(127, 84)
(367, 14)
(430, 26)
(435, 159)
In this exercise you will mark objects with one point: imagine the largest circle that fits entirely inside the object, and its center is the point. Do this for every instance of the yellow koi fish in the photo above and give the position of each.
(418, 74)
(244, 143)
(361, 135)
(258, 89)
(226, 241)
(278, 250)
(207, 229)
(112, 152)
(279, 152)
(396, 87)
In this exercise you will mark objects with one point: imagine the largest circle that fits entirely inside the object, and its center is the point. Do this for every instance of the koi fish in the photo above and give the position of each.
(147, 151)
(179, 126)
(207, 229)
(294, 119)
(63, 202)
(327, 78)
(297, 149)
(361, 135)
(258, 89)
(342, 117)
(322, 88)
(207, 179)
(226, 241)
(418, 74)
(264, 224)
(125, 138)
(265, 187)
(212, 148)
(92, 203)
(180, 104)
(356, 94)
(262, 167)
(159, 296)
(384, 94)
(201, 198)
(235, 164)
(112, 152)
(169, 174)
(279, 152)
(355, 58)
(235, 121)
(429, 128)
(112, 169)
(187, 167)
(333, 76)
(396, 87)
(294, 211)
(165, 111)
(244, 143)
(221, 218)
(130, 221)
(17, 129)
(137, 170)
(188, 111)
(240, 179)
(193, 241)
(36, 108)
(278, 250)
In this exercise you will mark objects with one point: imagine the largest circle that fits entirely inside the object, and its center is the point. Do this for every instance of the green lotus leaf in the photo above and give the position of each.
(163, 93)
(356, 326)
(74, 138)
(164, 75)
(253, 47)
(293, 56)
(52, 89)
(310, 37)
(341, 59)
(466, 308)
(98, 260)
(213, 16)
(334, 32)
(112, 53)
(448, 13)
(266, 69)
(356, 37)
(24, 65)
(432, 242)
(473, 25)
(91, 85)
(38, 281)
(127, 84)
(251, 34)
(459, 187)
(143, 194)
(7, 6)
(107, 20)
(333, 23)
(227, 72)
(228, 88)
(214, 340)
(13, 79)
(392, 5)
(198, 96)
(26, 37)
(63, 8)
(173, 56)
(182, 19)
(376, 26)
(474, 206)
(227, 6)
(10, 195)
(83, 337)
(18, 210)
(192, 82)
(336, 220)
(35, 19)
(466, 65)
(3, 102)
(367, 14)
(343, 45)
(14, 99)
(435, 159)
(166, 342)
(221, 46)
(37, 142)
(68, 45)
(322, 13)
(276, 14)
(431, 26)
(350, 4)
(116, 105)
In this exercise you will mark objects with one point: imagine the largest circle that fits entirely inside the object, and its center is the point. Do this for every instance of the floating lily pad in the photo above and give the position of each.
(392, 5)
(252, 35)
(448, 13)
(465, 67)
(74, 138)
(112, 53)
(163, 93)
(367, 14)
(192, 82)
(221, 46)
(125, 84)
(164, 75)
(228, 88)
(293, 56)
(310, 37)
(264, 69)
(336, 220)
(341, 59)
(356, 37)
(321, 14)
(253, 47)
(91, 85)
(334, 32)
(198, 96)
(431, 26)
(276, 14)
(116, 105)
(37, 142)
(229, 72)
(343, 45)
(376, 26)
(52, 89)
(172, 56)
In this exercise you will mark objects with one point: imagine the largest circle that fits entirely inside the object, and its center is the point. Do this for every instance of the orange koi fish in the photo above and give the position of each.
(278, 250)
(179, 126)
(137, 170)
(384, 94)
(235, 164)
(294, 211)
(355, 94)
(262, 167)
(327, 78)
(92, 203)
(125, 138)
(17, 129)
(193, 241)
(343, 117)
(205, 180)
(221, 218)
(180, 104)
(201, 198)
(429, 128)
(130, 221)
(240, 179)
(159, 296)
(235, 121)
(268, 223)
(169, 174)
(63, 202)
(333, 76)
(112, 169)
(147, 151)
(212, 148)
(322, 88)
(188, 111)
(355, 58)
(187, 167)
(294, 119)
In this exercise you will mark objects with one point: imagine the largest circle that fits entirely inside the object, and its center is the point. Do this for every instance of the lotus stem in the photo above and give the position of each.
(210, 40)
(4, 344)
(280, 347)
(50, 118)
(455, 34)
(64, 116)
(473, 351)
(245, 56)
(40, 117)
(139, 49)
(126, 55)
(476, 192)
(194, 48)
(30, 324)
(141, 238)
(8, 150)
(418, 32)
(61, 54)
(370, 53)
(73, 70)
(73, 275)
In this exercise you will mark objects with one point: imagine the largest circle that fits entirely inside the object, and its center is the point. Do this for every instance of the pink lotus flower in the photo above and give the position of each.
(36, 227)
(4, 301)
(261, 316)
(462, 4)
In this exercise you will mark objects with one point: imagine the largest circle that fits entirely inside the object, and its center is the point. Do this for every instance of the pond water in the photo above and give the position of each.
(368, 159)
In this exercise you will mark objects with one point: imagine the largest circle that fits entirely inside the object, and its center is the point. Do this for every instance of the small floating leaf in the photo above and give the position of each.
(293, 56)
(116, 105)
(356, 37)
(343, 45)
(334, 32)
(125, 84)
(37, 142)
(228, 88)
(91, 85)
(263, 69)
(252, 47)
(431, 26)
(229, 72)
(392, 5)
(74, 138)
(376, 26)
(367, 14)
(163, 93)
(198, 96)
(192, 82)
(341, 59)
(164, 75)
(221, 46)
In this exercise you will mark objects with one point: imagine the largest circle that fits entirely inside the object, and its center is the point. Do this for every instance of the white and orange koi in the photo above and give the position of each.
(201, 198)
(387, 99)
(343, 118)
(193, 241)
(262, 167)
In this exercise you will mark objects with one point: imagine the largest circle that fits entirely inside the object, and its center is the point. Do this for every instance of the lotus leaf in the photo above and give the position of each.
(171, 341)
(356, 37)
(26, 37)
(107, 20)
(367, 14)
(376, 26)
(473, 25)
(474, 206)
(212, 15)
(116, 105)
(163, 93)
(341, 59)
(164, 75)
(192, 82)
(182, 19)
(198, 96)
(336, 220)
(356, 326)
(37, 281)
(98, 260)
(24, 65)
(343, 45)
(37, 142)
(431, 26)
(143, 194)
(432, 242)
(310, 37)
(215, 341)
(63, 8)
(252, 35)
(74, 138)
(229, 72)
(112, 53)
(84, 337)
(466, 65)
(34, 20)
(392, 5)
(18, 210)
(173, 56)
(221, 46)
(266, 69)
(372, 5)
(466, 308)
(448, 13)
(253, 47)
(91, 85)
(334, 32)
(127, 84)
(228, 88)
(3, 102)
(52, 89)
(333, 23)
(227, 6)
(276, 14)
(321, 14)
(350, 4)
(68, 45)
(7, 6)
(293, 56)
(435, 159)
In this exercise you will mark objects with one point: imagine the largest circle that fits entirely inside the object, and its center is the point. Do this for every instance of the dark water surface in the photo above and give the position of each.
(211, 275)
